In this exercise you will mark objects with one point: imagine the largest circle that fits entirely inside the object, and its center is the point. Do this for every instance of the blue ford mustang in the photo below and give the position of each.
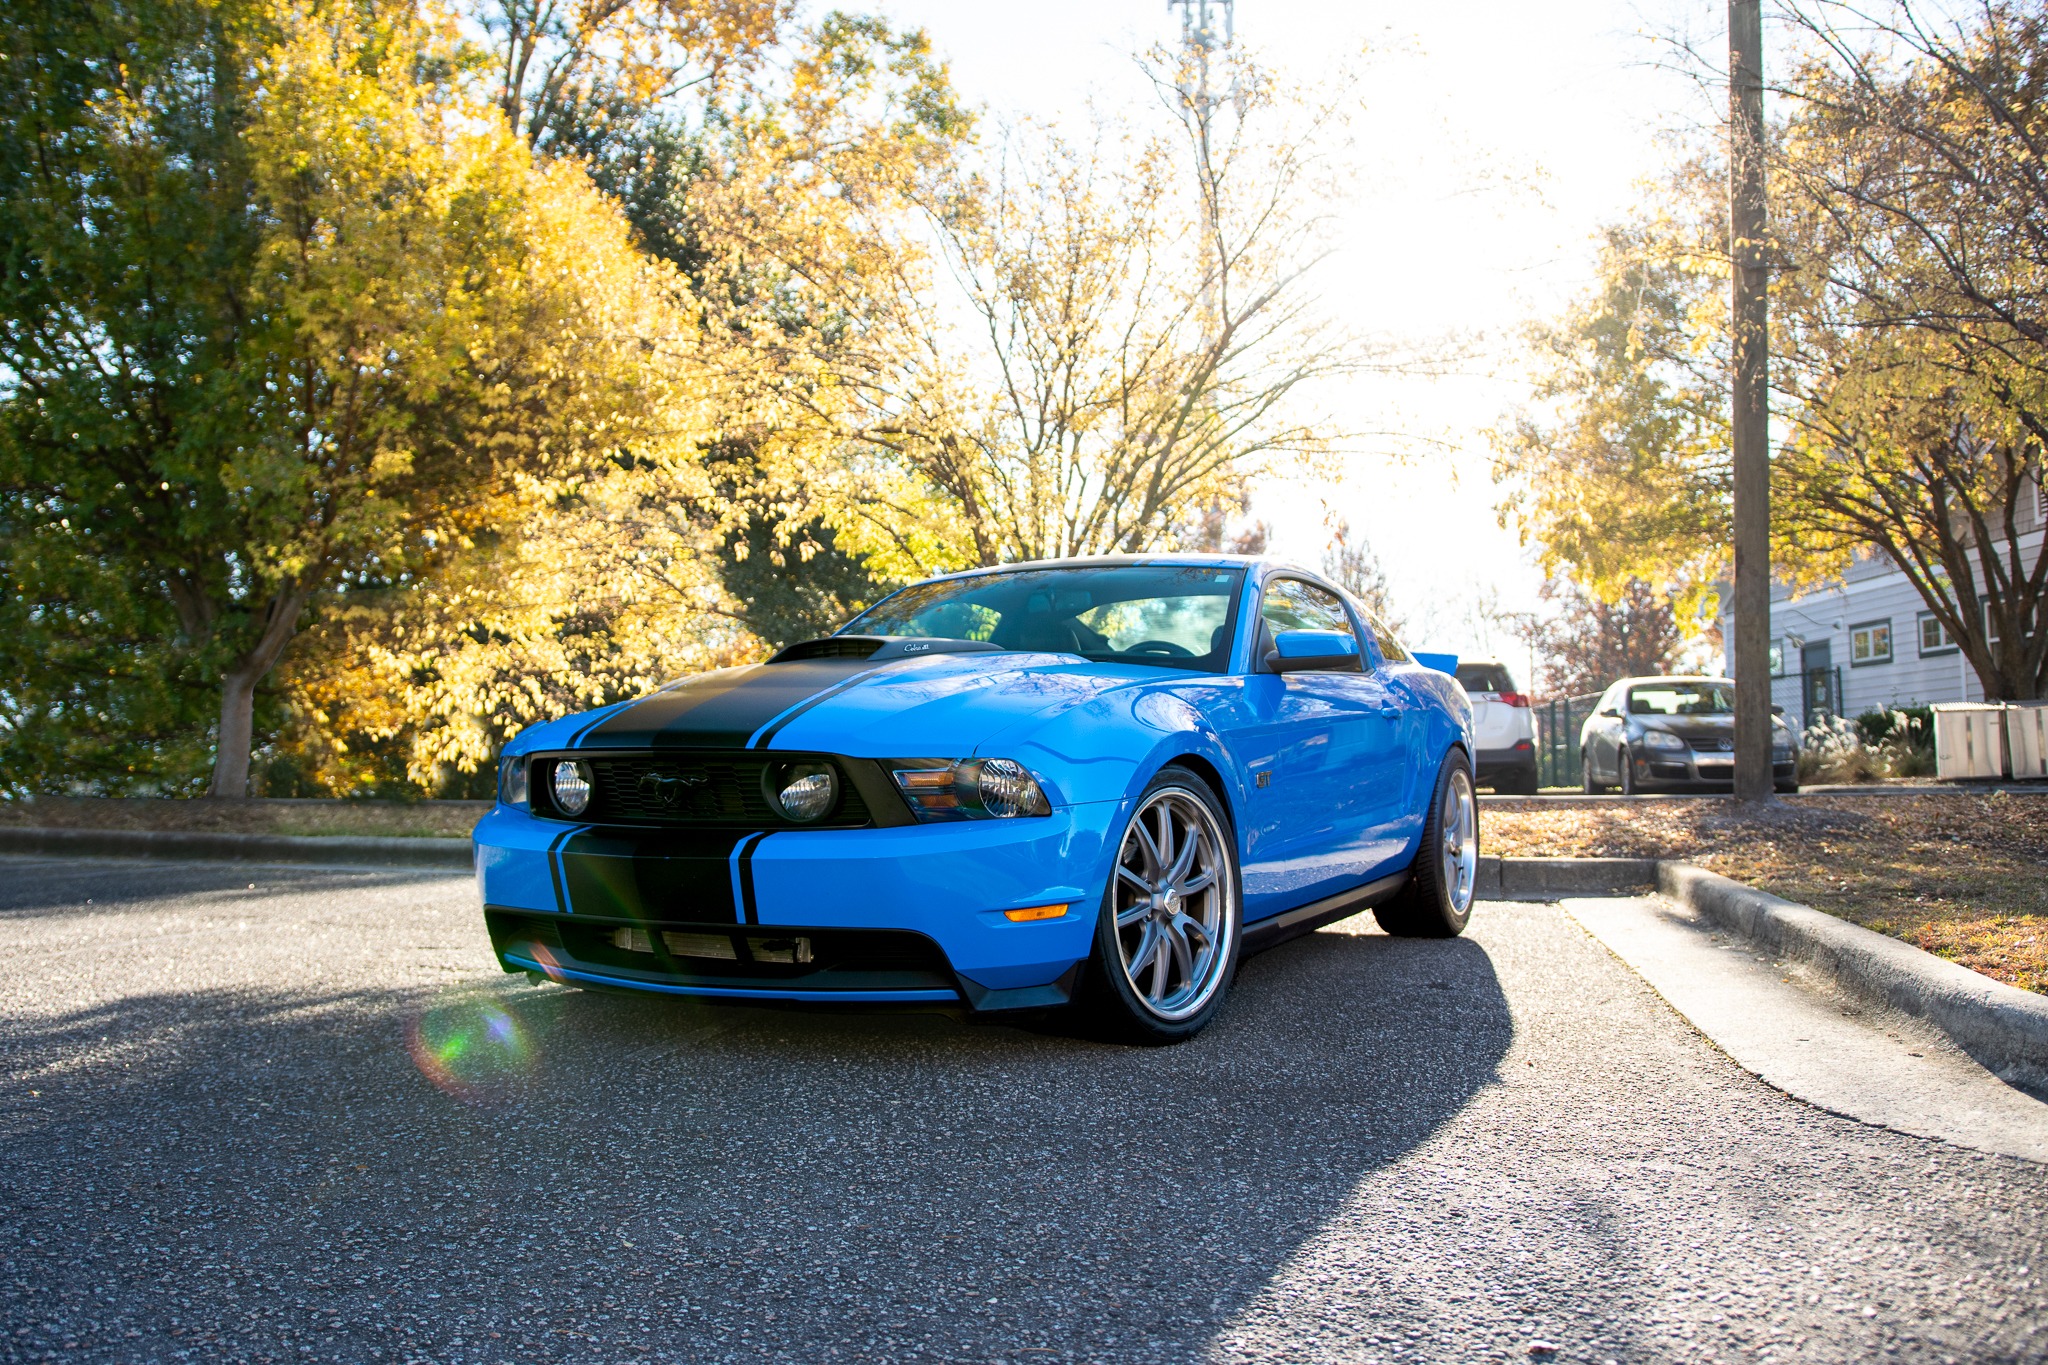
(1089, 782)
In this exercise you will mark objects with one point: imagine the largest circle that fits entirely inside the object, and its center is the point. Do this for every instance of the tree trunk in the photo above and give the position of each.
(236, 735)
(238, 694)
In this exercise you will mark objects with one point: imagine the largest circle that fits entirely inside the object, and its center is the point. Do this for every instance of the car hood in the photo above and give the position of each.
(1697, 727)
(939, 706)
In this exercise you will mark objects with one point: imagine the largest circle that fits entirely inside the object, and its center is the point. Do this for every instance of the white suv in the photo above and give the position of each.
(1503, 728)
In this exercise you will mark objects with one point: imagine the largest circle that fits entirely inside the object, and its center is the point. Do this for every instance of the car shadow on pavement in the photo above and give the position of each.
(496, 1171)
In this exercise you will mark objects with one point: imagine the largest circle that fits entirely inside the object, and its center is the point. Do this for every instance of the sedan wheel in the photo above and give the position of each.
(1168, 941)
(1625, 766)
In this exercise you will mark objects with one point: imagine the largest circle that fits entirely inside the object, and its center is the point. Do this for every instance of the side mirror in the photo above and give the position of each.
(1613, 711)
(1313, 651)
(1777, 710)
(1442, 663)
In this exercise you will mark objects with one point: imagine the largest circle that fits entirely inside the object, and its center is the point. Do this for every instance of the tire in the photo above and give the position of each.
(1786, 788)
(1437, 901)
(1626, 771)
(1151, 979)
(1524, 782)
(1592, 788)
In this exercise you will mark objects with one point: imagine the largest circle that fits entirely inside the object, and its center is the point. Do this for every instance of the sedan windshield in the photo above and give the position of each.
(1175, 616)
(1682, 699)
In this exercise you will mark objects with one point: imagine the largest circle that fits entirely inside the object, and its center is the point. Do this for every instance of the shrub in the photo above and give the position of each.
(1877, 744)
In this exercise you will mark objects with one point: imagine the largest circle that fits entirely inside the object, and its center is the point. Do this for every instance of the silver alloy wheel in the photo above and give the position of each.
(1459, 819)
(1173, 901)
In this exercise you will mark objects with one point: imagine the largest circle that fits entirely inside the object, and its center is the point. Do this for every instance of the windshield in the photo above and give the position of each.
(1682, 699)
(1175, 616)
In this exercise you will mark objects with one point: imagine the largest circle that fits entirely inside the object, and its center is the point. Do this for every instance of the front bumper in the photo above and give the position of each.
(910, 914)
(1519, 757)
(1690, 769)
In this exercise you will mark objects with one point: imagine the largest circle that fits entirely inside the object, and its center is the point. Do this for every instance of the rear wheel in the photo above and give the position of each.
(1437, 901)
(1521, 782)
(1166, 942)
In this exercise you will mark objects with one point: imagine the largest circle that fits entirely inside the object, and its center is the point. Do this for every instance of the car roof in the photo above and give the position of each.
(1265, 563)
(1673, 677)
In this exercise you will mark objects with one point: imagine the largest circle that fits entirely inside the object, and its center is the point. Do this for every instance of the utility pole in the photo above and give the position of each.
(1751, 423)
(1205, 26)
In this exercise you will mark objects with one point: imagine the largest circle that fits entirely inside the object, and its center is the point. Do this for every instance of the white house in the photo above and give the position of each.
(1869, 642)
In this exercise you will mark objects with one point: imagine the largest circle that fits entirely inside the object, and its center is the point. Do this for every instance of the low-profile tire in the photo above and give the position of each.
(1625, 770)
(1592, 788)
(1437, 901)
(1172, 921)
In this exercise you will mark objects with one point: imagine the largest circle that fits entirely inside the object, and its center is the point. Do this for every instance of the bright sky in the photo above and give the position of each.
(1498, 137)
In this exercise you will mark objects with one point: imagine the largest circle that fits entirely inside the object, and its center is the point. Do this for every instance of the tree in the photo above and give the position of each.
(1630, 481)
(580, 76)
(1911, 236)
(1041, 352)
(294, 314)
(1919, 237)
(1352, 566)
(1590, 641)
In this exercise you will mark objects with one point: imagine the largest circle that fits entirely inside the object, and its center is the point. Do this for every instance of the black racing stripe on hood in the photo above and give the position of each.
(723, 711)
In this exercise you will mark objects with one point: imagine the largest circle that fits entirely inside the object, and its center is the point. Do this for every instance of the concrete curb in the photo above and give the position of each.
(2003, 1027)
(1543, 879)
(454, 854)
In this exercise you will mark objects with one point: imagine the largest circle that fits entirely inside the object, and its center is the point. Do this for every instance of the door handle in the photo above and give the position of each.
(1390, 712)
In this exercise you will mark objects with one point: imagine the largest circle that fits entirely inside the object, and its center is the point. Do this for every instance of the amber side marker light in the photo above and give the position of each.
(1035, 912)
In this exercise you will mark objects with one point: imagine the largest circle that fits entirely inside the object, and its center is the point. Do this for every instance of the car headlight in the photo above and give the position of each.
(1661, 739)
(969, 788)
(570, 786)
(512, 781)
(804, 792)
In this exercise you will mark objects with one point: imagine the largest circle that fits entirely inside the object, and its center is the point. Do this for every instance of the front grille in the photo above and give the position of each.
(711, 789)
(1723, 747)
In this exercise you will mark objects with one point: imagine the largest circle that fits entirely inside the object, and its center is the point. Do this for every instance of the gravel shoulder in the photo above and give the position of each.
(1963, 876)
(259, 1114)
(372, 819)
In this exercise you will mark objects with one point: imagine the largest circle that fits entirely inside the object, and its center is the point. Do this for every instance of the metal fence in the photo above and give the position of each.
(1557, 738)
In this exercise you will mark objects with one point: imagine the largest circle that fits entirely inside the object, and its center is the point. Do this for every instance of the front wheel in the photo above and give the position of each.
(1166, 942)
(1437, 901)
(1625, 767)
(1592, 787)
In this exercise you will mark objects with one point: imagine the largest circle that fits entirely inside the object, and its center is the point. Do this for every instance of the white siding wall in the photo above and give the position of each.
(1872, 591)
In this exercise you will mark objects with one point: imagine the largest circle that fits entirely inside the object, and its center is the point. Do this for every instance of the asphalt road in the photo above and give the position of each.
(272, 1114)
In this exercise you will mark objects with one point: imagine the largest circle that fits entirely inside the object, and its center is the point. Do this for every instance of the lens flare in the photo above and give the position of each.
(470, 1047)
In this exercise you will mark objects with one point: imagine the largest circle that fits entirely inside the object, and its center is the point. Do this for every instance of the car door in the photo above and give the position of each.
(1318, 747)
(1604, 747)
(1404, 778)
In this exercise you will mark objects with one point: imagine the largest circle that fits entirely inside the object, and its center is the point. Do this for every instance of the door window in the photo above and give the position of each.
(1294, 605)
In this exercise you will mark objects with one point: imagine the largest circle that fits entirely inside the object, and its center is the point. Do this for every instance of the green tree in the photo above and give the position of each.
(290, 312)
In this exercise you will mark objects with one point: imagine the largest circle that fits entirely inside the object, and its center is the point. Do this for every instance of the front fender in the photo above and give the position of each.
(1109, 747)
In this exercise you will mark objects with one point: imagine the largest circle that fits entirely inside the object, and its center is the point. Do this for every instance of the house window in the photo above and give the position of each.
(1870, 643)
(1934, 636)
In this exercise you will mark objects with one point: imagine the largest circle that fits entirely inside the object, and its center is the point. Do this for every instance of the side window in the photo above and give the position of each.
(1391, 649)
(1294, 605)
